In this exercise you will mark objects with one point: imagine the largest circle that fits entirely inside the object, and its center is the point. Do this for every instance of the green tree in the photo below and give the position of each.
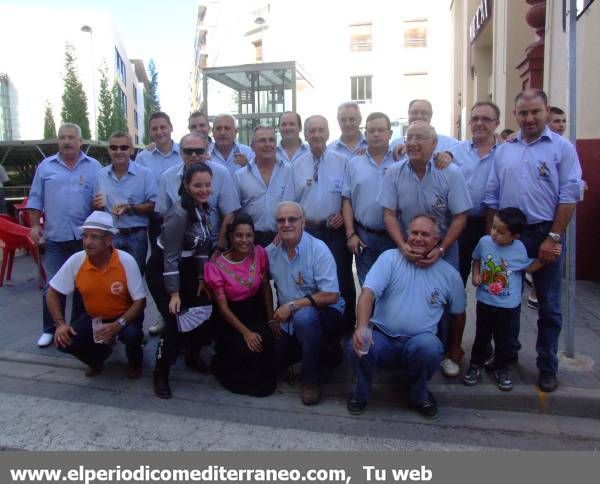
(74, 100)
(117, 120)
(151, 101)
(105, 108)
(49, 125)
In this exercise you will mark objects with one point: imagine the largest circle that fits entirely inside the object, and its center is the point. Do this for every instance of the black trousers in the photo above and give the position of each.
(172, 340)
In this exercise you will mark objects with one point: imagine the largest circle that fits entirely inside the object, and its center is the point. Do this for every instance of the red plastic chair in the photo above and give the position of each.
(12, 237)
(22, 213)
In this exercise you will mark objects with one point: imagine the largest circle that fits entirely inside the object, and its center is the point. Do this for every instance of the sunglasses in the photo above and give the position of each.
(289, 220)
(193, 151)
(118, 147)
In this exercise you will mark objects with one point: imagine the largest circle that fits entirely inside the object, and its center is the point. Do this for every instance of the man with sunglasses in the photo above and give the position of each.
(223, 200)
(127, 191)
(308, 319)
(114, 296)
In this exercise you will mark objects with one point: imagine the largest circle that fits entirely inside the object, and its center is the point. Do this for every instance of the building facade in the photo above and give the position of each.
(34, 67)
(504, 46)
(381, 54)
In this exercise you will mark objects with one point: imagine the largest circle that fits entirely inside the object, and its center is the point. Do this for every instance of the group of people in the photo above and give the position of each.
(221, 220)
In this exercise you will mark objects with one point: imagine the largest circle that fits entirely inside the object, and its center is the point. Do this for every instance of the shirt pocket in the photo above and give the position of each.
(335, 184)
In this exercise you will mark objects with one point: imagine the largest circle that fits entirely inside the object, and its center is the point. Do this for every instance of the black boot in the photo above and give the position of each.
(161, 373)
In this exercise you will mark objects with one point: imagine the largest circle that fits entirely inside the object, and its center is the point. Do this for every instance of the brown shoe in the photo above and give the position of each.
(94, 370)
(311, 393)
(134, 372)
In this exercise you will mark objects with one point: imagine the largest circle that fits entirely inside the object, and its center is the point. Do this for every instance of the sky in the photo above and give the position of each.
(150, 29)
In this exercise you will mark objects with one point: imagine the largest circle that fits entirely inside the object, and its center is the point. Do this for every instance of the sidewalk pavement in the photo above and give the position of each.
(578, 393)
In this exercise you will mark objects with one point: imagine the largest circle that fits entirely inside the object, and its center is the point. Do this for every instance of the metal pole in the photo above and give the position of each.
(93, 128)
(572, 228)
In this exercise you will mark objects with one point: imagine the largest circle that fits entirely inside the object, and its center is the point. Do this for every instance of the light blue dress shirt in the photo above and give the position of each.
(339, 147)
(502, 269)
(441, 193)
(323, 197)
(259, 200)
(136, 186)
(64, 195)
(283, 156)
(410, 300)
(362, 183)
(534, 177)
(476, 172)
(223, 199)
(158, 162)
(312, 269)
(444, 143)
(216, 156)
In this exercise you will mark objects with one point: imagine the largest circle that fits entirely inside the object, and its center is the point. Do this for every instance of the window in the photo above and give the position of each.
(5, 127)
(135, 97)
(361, 37)
(360, 89)
(415, 33)
(120, 67)
(122, 99)
(135, 119)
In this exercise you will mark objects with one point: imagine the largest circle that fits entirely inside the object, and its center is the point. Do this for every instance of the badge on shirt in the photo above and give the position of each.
(309, 182)
(434, 298)
(440, 202)
(117, 288)
(543, 170)
(81, 180)
(299, 280)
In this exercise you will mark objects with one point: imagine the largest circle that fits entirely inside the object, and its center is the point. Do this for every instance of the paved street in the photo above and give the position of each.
(47, 403)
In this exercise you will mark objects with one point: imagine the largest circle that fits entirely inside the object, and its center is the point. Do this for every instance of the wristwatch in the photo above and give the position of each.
(292, 306)
(555, 237)
(122, 322)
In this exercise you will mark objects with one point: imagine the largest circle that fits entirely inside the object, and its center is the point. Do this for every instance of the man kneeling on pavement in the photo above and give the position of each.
(409, 300)
(114, 298)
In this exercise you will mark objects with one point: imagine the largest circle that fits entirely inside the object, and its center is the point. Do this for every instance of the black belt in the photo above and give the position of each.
(379, 232)
(131, 230)
(539, 227)
(314, 225)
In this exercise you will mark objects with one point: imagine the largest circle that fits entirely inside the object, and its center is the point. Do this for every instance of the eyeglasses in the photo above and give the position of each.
(193, 151)
(417, 138)
(118, 147)
(483, 119)
(289, 220)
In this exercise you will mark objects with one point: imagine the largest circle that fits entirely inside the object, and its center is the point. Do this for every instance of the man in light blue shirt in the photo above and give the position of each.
(416, 186)
(475, 159)
(366, 236)
(308, 319)
(263, 184)
(198, 123)
(539, 172)
(422, 110)
(291, 146)
(223, 200)
(163, 156)
(226, 150)
(409, 301)
(318, 177)
(351, 142)
(62, 191)
(126, 190)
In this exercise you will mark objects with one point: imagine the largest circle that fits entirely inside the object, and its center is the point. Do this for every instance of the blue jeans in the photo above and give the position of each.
(376, 245)
(136, 244)
(55, 255)
(310, 327)
(420, 355)
(93, 354)
(547, 282)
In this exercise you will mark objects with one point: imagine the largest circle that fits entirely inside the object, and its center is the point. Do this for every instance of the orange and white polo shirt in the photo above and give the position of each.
(107, 293)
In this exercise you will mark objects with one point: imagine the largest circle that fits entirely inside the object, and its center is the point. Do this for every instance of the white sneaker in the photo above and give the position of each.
(45, 340)
(157, 327)
(449, 368)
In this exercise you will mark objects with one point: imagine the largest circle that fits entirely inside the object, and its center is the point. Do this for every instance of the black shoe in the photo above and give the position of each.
(161, 384)
(503, 380)
(429, 407)
(93, 371)
(471, 377)
(354, 406)
(547, 382)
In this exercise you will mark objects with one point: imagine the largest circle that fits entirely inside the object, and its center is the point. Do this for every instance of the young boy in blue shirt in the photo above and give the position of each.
(499, 260)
